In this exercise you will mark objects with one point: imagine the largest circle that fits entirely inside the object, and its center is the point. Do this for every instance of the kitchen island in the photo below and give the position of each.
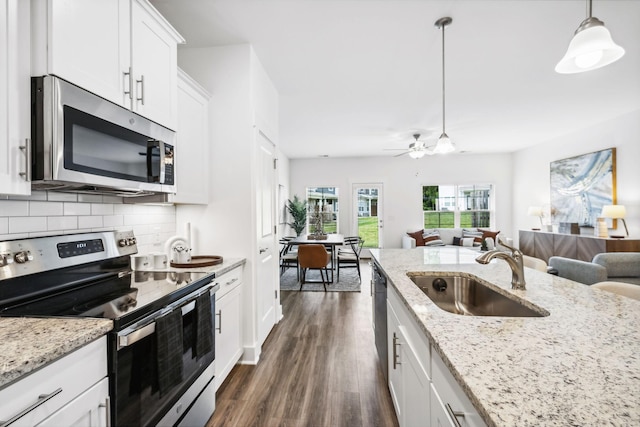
(577, 366)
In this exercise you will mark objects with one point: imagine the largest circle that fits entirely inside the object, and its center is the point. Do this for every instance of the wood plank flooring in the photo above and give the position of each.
(318, 367)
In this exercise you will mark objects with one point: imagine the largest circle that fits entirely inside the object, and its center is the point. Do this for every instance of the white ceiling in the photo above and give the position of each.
(356, 77)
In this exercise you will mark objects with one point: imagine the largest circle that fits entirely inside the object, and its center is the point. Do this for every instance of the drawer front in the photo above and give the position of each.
(62, 380)
(229, 281)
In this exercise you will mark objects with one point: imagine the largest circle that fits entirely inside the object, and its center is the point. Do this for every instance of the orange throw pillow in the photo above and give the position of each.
(418, 236)
(492, 234)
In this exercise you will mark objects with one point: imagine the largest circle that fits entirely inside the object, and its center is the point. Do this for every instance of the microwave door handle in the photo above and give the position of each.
(162, 164)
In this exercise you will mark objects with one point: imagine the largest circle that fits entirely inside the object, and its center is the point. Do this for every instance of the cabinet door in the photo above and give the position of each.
(14, 97)
(228, 333)
(90, 409)
(439, 415)
(154, 63)
(395, 363)
(192, 163)
(416, 386)
(88, 45)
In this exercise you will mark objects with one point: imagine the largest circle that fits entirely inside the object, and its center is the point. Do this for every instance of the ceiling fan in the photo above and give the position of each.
(416, 149)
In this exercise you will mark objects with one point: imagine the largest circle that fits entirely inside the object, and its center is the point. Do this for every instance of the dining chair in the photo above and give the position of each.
(535, 263)
(314, 257)
(350, 257)
(288, 256)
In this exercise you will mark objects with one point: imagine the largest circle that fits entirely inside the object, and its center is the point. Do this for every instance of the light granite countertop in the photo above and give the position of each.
(27, 344)
(579, 366)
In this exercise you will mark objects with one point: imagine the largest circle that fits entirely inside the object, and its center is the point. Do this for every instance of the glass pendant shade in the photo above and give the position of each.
(416, 154)
(590, 48)
(444, 145)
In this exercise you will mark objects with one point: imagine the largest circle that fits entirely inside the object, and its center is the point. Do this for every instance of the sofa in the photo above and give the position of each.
(605, 267)
(469, 237)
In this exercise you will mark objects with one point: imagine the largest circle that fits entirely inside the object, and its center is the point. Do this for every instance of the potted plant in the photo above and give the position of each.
(298, 210)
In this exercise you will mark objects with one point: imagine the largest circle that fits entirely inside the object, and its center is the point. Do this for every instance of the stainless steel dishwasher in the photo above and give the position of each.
(380, 316)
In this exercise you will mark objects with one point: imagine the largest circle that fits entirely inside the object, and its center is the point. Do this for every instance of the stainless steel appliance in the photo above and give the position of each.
(89, 275)
(84, 143)
(380, 317)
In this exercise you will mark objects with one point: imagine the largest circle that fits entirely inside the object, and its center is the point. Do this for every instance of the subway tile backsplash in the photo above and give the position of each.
(49, 213)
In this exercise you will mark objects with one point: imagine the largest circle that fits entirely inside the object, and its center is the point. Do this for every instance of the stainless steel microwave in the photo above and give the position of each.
(84, 143)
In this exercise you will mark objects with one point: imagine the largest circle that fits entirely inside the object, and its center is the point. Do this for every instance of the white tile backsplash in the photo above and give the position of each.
(48, 213)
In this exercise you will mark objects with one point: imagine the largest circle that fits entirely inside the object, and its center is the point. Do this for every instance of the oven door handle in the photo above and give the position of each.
(149, 328)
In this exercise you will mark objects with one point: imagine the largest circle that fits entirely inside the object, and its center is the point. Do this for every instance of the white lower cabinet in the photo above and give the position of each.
(228, 323)
(423, 391)
(72, 391)
(409, 381)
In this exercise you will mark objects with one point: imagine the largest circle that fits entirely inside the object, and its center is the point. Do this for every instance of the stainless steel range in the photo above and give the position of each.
(161, 350)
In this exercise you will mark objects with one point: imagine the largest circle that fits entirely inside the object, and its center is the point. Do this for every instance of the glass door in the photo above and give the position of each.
(367, 215)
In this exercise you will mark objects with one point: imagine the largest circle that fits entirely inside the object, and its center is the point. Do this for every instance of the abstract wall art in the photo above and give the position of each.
(581, 185)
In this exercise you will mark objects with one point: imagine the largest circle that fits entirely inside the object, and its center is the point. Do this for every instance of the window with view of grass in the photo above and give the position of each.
(449, 206)
(322, 206)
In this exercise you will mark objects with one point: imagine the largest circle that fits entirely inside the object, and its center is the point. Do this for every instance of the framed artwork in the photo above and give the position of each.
(581, 185)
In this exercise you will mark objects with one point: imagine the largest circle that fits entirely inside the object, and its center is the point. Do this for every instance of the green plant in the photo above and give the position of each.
(298, 210)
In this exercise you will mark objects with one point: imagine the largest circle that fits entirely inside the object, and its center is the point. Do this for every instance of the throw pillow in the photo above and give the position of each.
(418, 236)
(489, 233)
(473, 232)
(468, 241)
(457, 241)
(436, 242)
(430, 238)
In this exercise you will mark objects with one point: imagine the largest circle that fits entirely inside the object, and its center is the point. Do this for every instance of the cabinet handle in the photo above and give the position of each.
(26, 149)
(263, 250)
(235, 279)
(454, 415)
(219, 328)
(141, 81)
(107, 405)
(41, 400)
(128, 76)
(395, 352)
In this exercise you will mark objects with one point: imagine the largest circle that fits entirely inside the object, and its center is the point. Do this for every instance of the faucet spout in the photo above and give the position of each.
(515, 261)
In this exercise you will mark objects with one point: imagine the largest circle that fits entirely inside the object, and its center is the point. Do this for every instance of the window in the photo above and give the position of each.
(449, 206)
(323, 206)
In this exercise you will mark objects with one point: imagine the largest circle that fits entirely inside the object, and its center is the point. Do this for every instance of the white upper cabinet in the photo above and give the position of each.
(121, 50)
(14, 98)
(192, 165)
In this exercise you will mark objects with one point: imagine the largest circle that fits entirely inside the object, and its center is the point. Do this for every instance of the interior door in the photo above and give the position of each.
(267, 291)
(367, 215)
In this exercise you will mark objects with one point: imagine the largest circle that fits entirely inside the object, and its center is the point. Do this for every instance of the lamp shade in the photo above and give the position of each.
(534, 211)
(613, 211)
(591, 47)
(444, 145)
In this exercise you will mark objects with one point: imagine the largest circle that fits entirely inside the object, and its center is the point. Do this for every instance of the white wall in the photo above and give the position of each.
(531, 175)
(50, 213)
(402, 180)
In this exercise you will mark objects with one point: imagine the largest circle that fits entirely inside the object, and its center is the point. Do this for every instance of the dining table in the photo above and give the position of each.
(328, 240)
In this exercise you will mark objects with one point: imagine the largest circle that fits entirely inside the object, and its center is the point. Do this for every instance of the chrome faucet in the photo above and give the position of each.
(515, 261)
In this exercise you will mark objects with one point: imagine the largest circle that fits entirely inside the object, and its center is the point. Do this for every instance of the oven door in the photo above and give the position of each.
(140, 398)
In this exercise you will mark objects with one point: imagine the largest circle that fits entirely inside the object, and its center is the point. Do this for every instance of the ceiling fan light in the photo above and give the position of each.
(591, 47)
(416, 154)
(444, 145)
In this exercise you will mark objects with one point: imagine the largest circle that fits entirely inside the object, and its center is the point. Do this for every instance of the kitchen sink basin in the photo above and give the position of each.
(470, 297)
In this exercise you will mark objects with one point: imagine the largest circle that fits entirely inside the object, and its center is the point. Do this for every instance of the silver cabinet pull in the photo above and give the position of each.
(107, 405)
(26, 149)
(141, 98)
(219, 328)
(41, 400)
(128, 76)
(234, 280)
(395, 352)
(454, 415)
(263, 250)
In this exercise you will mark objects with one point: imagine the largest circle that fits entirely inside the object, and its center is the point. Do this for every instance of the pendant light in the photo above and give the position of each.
(590, 48)
(444, 144)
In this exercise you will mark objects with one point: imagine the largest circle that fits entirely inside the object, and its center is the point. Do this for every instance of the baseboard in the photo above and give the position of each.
(251, 355)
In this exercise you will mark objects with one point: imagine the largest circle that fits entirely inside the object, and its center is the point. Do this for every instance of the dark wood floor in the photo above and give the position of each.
(318, 367)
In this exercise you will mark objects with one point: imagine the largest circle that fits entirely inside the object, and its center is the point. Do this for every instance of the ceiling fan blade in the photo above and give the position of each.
(401, 154)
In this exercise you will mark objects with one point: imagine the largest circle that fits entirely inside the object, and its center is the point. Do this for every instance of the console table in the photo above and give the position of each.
(544, 245)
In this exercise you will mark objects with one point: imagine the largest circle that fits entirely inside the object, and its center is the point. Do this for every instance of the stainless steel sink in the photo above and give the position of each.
(470, 297)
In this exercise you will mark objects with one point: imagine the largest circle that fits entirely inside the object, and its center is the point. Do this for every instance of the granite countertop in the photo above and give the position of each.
(578, 366)
(27, 344)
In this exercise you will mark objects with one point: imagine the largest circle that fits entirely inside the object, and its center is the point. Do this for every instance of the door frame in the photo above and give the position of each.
(354, 212)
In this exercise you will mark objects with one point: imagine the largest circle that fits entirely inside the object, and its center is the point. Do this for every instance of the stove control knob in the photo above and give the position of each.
(134, 241)
(5, 259)
(23, 256)
(131, 242)
(122, 243)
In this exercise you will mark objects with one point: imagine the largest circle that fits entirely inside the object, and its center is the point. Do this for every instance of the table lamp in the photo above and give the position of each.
(535, 211)
(615, 212)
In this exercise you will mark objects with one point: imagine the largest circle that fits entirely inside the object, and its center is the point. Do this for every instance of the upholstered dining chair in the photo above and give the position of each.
(314, 257)
(350, 257)
(628, 290)
(288, 256)
(535, 263)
